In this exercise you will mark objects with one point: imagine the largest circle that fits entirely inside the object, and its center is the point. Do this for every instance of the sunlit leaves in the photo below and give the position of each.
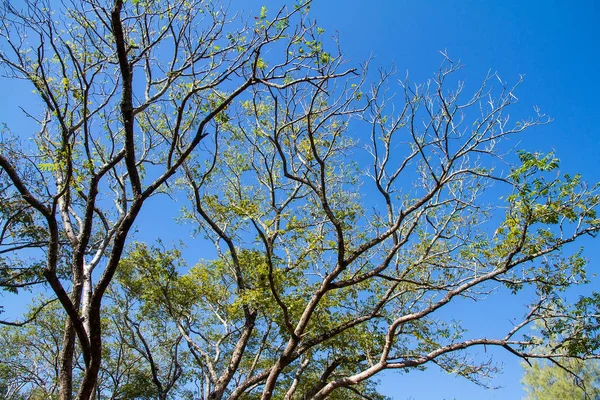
(571, 378)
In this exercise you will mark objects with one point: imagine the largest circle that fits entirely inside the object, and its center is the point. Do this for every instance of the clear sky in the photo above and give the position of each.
(555, 44)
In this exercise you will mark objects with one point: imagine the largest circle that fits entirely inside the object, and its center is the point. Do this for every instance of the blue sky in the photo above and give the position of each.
(554, 44)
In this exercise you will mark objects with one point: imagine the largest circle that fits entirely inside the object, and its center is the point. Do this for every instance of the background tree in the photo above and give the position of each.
(134, 365)
(29, 366)
(332, 262)
(574, 379)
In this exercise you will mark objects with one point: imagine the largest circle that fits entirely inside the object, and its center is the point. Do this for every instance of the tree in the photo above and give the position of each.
(133, 366)
(101, 133)
(574, 380)
(332, 262)
(30, 357)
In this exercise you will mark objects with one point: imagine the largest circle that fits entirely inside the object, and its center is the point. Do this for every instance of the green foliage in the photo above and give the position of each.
(30, 354)
(139, 385)
(572, 379)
